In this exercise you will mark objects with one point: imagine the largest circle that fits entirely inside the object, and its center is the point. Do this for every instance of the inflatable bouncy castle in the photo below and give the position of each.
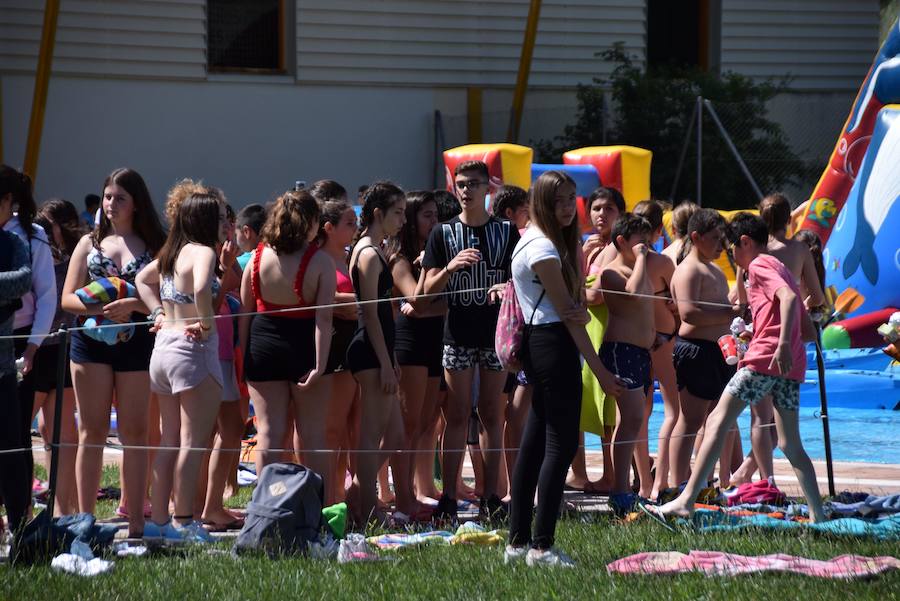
(508, 164)
(855, 209)
(625, 168)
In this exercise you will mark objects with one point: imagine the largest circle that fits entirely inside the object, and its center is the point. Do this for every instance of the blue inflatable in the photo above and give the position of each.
(863, 252)
(586, 177)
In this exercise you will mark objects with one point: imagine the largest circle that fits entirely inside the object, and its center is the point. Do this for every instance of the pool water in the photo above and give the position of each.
(863, 435)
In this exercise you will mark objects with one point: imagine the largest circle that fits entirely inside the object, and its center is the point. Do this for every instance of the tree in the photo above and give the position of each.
(653, 109)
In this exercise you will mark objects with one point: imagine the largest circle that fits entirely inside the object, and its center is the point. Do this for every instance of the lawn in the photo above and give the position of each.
(465, 572)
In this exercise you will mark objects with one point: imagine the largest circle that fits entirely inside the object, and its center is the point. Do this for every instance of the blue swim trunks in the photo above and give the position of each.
(629, 362)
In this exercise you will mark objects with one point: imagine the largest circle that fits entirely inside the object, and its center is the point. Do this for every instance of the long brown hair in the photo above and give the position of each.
(197, 221)
(146, 221)
(775, 210)
(64, 214)
(406, 243)
(565, 239)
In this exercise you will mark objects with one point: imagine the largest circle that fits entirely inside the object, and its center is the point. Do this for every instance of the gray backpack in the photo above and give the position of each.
(285, 512)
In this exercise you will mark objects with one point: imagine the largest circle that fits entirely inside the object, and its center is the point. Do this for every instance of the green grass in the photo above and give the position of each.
(468, 572)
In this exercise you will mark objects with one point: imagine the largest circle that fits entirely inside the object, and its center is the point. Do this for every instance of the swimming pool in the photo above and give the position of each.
(864, 435)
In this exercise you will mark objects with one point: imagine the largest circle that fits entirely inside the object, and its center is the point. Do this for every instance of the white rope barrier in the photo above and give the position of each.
(257, 448)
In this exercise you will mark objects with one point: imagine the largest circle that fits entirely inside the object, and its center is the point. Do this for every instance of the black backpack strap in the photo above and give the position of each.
(541, 297)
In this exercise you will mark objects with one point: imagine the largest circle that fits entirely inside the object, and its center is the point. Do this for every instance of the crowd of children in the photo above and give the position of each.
(355, 340)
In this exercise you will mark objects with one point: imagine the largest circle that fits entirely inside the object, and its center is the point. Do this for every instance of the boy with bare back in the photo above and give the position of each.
(629, 336)
(700, 291)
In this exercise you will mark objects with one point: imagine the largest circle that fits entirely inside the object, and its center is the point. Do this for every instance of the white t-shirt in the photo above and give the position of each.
(534, 247)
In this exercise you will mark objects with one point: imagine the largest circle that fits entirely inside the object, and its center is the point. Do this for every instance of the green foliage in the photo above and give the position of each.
(653, 109)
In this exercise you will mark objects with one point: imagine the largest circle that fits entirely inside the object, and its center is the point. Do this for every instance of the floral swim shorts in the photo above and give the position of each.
(751, 387)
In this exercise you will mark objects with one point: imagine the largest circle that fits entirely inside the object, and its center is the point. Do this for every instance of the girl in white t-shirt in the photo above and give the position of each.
(547, 275)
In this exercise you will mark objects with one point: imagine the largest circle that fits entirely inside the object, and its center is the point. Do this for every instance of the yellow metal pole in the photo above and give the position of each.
(515, 118)
(41, 83)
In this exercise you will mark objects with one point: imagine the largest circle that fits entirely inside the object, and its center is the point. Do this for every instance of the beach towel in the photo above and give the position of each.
(468, 533)
(473, 533)
(101, 292)
(871, 506)
(597, 411)
(716, 563)
(887, 528)
(394, 542)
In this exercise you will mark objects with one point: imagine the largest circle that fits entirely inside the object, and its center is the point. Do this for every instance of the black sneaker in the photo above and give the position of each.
(493, 509)
(445, 510)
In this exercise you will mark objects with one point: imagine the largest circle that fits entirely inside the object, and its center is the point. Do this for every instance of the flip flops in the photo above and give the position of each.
(652, 512)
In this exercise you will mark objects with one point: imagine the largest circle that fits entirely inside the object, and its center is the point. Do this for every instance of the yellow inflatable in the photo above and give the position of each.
(626, 168)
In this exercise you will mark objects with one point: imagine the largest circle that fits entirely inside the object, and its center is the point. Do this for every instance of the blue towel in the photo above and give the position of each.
(706, 520)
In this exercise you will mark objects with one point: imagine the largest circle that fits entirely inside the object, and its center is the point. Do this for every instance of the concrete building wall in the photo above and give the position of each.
(253, 140)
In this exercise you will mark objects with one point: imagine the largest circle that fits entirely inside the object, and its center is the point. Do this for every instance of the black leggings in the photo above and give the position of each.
(551, 434)
(15, 468)
(16, 402)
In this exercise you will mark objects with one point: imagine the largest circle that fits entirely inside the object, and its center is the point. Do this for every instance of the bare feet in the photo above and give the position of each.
(223, 520)
(578, 483)
(418, 513)
(467, 493)
(599, 487)
(676, 509)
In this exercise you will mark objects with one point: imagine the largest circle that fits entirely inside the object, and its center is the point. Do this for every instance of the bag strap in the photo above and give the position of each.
(543, 290)
(536, 305)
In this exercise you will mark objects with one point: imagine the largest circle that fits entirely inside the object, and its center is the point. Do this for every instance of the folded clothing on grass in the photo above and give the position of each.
(716, 563)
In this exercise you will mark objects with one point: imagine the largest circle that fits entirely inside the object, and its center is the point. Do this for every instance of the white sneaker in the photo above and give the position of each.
(514, 554)
(548, 557)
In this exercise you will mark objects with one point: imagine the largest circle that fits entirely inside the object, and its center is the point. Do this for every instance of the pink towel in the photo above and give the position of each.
(713, 563)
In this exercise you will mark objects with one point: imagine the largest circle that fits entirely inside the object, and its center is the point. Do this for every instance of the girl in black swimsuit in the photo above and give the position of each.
(371, 353)
(420, 332)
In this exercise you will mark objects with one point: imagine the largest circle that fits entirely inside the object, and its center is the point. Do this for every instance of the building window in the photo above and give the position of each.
(675, 34)
(245, 36)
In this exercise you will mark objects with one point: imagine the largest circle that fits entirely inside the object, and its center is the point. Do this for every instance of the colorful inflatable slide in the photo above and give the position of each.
(854, 207)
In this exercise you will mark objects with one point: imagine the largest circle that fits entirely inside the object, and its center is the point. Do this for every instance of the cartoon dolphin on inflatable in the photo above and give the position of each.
(879, 189)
